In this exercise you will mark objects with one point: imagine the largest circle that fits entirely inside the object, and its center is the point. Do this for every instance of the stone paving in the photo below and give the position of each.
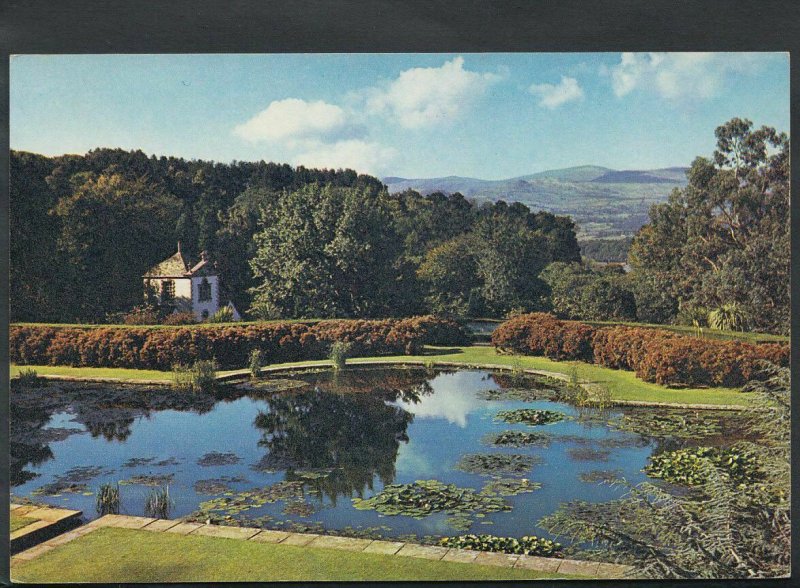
(47, 521)
(567, 567)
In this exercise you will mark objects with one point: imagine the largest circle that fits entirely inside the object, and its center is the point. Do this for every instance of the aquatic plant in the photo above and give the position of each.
(517, 439)
(158, 504)
(496, 463)
(688, 466)
(215, 458)
(108, 499)
(200, 377)
(232, 503)
(588, 454)
(530, 416)
(148, 480)
(216, 485)
(528, 545)
(509, 487)
(424, 497)
(600, 476)
(28, 378)
(678, 424)
(255, 360)
(340, 351)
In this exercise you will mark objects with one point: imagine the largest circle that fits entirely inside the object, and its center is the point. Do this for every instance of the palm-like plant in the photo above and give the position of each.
(728, 317)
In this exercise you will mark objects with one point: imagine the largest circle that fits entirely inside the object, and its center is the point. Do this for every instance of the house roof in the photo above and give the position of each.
(172, 267)
(176, 267)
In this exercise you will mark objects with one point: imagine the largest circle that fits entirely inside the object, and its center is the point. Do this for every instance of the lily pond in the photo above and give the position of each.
(380, 452)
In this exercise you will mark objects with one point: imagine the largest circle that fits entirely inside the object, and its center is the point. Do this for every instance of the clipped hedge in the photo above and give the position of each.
(162, 348)
(656, 355)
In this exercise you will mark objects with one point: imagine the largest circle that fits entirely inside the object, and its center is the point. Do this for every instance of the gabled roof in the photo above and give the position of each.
(172, 267)
(176, 267)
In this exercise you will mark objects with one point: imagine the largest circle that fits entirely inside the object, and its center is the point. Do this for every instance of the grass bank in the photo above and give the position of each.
(623, 385)
(17, 522)
(111, 555)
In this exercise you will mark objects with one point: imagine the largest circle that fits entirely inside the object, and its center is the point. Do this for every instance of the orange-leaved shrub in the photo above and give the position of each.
(163, 347)
(656, 355)
(540, 333)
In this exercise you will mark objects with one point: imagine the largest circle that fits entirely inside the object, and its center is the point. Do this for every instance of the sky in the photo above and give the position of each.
(486, 115)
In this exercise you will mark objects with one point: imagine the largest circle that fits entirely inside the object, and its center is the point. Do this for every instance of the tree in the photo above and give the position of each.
(112, 230)
(326, 252)
(725, 237)
(450, 273)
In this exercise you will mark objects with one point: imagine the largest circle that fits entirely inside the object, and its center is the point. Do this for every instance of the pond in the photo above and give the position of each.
(316, 451)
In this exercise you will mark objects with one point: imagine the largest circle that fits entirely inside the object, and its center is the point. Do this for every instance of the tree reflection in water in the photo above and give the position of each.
(341, 434)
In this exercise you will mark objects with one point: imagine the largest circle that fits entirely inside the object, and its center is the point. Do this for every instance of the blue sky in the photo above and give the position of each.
(489, 115)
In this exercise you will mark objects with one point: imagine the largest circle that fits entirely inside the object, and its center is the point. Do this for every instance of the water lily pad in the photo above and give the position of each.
(424, 497)
(588, 454)
(217, 485)
(517, 439)
(530, 416)
(600, 476)
(509, 487)
(685, 466)
(528, 545)
(216, 458)
(497, 463)
(149, 480)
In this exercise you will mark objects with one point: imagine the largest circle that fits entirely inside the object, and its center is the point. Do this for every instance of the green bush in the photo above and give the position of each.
(340, 351)
(255, 363)
(28, 378)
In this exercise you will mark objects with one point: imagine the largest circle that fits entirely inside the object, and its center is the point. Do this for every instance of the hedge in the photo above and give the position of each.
(656, 355)
(160, 348)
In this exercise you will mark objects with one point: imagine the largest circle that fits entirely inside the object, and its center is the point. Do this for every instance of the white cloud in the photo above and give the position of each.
(294, 119)
(554, 95)
(423, 96)
(362, 156)
(678, 75)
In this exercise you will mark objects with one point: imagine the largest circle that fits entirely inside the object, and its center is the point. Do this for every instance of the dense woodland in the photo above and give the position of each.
(297, 242)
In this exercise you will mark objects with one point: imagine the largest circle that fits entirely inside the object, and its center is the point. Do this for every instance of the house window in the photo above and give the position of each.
(167, 290)
(204, 291)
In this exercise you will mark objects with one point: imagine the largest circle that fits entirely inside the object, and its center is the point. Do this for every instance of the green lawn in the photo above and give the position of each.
(17, 522)
(623, 385)
(111, 555)
(691, 331)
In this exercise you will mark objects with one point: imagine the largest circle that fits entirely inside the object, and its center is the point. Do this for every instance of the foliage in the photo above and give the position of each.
(340, 351)
(509, 486)
(179, 318)
(530, 416)
(581, 292)
(720, 528)
(724, 239)
(424, 497)
(495, 463)
(686, 466)
(223, 315)
(728, 317)
(255, 363)
(517, 439)
(200, 377)
(108, 499)
(28, 378)
(606, 250)
(655, 355)
(670, 424)
(157, 503)
(142, 315)
(161, 348)
(528, 545)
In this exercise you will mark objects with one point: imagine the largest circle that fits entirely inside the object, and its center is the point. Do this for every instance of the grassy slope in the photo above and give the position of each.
(17, 522)
(623, 384)
(122, 555)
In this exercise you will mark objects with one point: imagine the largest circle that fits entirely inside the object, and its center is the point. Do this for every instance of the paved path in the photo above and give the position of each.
(47, 521)
(394, 548)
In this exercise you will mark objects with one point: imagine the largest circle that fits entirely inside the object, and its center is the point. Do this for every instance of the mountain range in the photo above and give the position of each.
(604, 202)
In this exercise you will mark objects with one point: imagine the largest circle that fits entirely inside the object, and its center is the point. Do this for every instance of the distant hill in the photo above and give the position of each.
(604, 202)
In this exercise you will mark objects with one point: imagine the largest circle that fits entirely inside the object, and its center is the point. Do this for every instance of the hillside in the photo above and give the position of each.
(604, 202)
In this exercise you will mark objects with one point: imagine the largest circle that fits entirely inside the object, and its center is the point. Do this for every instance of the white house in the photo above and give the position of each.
(188, 288)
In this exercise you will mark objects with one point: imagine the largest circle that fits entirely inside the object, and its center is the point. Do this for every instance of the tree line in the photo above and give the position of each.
(301, 243)
(289, 242)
